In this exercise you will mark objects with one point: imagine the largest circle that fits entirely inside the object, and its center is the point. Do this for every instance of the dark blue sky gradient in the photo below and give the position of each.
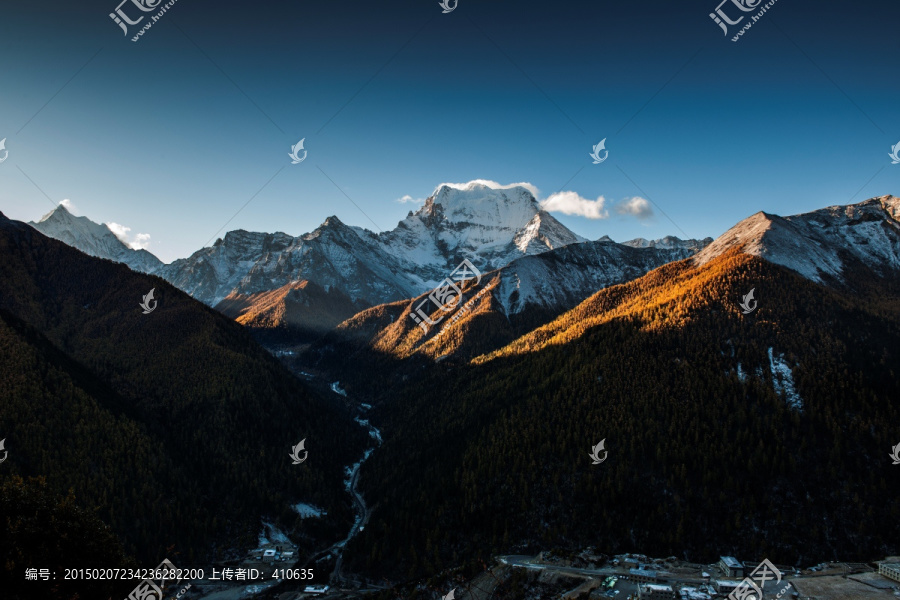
(172, 135)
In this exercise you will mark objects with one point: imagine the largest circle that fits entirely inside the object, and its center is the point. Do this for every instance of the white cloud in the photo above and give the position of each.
(140, 241)
(491, 184)
(570, 203)
(567, 203)
(68, 205)
(120, 231)
(636, 207)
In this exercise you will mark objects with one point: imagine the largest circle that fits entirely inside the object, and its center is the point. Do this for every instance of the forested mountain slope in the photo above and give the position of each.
(496, 308)
(174, 426)
(763, 435)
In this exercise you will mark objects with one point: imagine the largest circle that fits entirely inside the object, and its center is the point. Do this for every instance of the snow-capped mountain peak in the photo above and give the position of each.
(818, 244)
(670, 242)
(93, 239)
(479, 204)
(60, 219)
(487, 223)
(484, 222)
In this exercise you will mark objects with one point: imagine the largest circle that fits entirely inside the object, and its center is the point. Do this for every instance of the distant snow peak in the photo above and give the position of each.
(59, 213)
(817, 244)
(670, 242)
(102, 241)
(783, 381)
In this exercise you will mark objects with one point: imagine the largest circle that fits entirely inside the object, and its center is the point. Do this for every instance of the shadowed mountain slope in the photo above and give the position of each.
(174, 426)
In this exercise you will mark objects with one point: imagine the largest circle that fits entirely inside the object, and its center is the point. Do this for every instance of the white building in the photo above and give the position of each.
(269, 556)
(889, 570)
(316, 589)
(652, 591)
(731, 566)
(725, 586)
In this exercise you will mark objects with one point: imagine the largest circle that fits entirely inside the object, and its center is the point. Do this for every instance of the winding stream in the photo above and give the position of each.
(351, 484)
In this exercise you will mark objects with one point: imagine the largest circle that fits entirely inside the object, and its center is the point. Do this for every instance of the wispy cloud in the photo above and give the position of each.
(407, 199)
(636, 207)
(139, 241)
(570, 203)
(68, 205)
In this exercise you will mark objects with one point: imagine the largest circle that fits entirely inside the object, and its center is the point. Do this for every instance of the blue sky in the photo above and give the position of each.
(172, 135)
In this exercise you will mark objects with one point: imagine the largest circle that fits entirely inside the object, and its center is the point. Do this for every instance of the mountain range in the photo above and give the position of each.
(758, 433)
(759, 429)
(350, 268)
(488, 226)
(838, 246)
(507, 303)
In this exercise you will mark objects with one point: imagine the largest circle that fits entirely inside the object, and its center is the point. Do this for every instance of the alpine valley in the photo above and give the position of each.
(759, 431)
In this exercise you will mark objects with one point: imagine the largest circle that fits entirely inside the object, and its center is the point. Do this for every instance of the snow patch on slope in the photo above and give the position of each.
(309, 511)
(563, 277)
(783, 380)
(270, 535)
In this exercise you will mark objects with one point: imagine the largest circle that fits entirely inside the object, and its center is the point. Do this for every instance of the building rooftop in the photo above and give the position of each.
(731, 562)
